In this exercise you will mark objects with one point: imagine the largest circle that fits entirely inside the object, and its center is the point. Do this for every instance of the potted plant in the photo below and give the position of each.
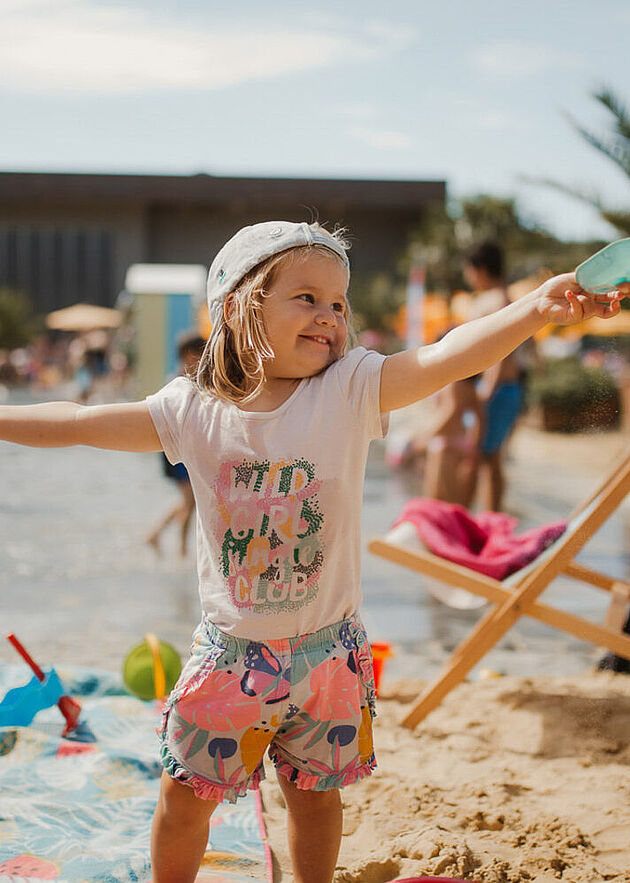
(574, 398)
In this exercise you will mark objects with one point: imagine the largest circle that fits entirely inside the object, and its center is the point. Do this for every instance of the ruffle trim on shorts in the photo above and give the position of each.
(308, 782)
(205, 789)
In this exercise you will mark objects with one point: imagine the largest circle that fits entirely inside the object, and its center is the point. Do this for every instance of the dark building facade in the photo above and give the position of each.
(66, 238)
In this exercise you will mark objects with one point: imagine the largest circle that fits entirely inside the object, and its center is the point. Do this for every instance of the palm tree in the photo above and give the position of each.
(615, 144)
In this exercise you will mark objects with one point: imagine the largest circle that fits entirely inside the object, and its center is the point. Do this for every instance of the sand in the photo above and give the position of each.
(510, 780)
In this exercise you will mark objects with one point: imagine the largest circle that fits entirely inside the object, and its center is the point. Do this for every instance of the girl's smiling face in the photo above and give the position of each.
(304, 313)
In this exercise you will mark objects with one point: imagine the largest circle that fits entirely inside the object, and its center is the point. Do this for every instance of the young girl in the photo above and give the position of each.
(274, 435)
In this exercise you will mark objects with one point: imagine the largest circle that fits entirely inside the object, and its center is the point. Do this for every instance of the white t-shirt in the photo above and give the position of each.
(278, 496)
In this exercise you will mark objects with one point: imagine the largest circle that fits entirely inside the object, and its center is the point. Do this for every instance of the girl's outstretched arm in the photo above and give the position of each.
(120, 427)
(475, 346)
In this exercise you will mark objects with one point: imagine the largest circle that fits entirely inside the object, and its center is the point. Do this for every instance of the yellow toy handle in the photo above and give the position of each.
(159, 678)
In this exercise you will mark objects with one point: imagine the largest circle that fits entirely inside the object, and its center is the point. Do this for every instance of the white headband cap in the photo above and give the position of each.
(254, 244)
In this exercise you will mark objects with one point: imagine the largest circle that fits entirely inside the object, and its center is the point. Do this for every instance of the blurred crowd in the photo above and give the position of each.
(85, 366)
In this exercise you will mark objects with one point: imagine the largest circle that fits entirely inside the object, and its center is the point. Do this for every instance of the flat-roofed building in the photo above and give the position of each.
(66, 238)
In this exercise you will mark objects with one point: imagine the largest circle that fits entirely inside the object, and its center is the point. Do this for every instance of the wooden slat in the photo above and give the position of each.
(492, 590)
(594, 577)
(439, 568)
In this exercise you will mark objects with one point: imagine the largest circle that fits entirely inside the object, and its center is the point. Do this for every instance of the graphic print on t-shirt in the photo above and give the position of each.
(269, 532)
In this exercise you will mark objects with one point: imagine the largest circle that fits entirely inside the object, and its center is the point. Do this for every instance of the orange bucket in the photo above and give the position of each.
(380, 652)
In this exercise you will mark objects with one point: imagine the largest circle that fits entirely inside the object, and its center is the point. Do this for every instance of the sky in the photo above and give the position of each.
(478, 94)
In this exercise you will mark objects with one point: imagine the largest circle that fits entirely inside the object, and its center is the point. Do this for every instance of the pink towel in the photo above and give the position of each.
(486, 543)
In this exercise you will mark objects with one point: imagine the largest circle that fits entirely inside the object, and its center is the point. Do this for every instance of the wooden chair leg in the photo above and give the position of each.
(618, 607)
(491, 629)
(483, 637)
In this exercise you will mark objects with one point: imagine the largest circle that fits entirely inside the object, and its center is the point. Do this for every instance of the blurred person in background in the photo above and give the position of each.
(89, 355)
(447, 454)
(452, 453)
(189, 351)
(501, 388)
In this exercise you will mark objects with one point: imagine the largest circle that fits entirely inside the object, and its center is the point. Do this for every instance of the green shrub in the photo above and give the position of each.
(17, 321)
(583, 394)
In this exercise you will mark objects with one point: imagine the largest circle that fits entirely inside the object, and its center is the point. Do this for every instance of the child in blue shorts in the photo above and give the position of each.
(274, 433)
(190, 348)
(501, 388)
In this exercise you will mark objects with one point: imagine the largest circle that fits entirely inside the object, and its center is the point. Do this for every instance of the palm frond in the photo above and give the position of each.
(616, 147)
(618, 219)
(566, 189)
(611, 102)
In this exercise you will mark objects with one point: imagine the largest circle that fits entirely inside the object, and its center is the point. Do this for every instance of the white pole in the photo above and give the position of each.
(415, 306)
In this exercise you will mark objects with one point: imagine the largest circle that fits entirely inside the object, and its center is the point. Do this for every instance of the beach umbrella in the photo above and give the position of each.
(83, 317)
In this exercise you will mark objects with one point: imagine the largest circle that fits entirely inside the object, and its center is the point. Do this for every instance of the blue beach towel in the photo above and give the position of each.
(79, 809)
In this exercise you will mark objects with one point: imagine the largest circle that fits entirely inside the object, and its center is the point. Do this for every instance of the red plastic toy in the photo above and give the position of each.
(69, 707)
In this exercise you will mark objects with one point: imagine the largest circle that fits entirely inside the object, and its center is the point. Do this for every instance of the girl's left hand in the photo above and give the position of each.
(563, 302)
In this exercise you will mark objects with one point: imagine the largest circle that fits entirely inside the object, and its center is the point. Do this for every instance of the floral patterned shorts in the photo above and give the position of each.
(309, 700)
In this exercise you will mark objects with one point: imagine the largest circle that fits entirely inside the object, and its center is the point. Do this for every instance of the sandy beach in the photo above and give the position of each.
(515, 778)
(509, 780)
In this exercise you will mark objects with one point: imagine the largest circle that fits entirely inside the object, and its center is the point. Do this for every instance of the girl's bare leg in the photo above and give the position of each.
(495, 487)
(154, 537)
(467, 477)
(314, 827)
(181, 512)
(180, 832)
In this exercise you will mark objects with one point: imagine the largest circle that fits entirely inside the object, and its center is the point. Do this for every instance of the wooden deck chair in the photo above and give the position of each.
(517, 595)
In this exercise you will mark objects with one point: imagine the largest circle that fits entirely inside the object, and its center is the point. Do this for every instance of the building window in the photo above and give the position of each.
(58, 267)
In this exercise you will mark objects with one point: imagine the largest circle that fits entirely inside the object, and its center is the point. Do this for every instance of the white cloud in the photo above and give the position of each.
(391, 33)
(498, 121)
(358, 110)
(472, 113)
(79, 46)
(478, 113)
(516, 58)
(381, 139)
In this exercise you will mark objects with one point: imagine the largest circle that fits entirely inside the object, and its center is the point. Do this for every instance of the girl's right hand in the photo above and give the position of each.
(560, 300)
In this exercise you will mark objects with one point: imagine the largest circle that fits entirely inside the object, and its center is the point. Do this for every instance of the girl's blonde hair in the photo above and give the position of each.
(232, 366)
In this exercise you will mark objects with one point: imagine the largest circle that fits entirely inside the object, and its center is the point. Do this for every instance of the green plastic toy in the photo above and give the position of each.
(151, 669)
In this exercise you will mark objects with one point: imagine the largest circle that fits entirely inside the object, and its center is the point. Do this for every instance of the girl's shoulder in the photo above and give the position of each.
(180, 387)
(185, 389)
(351, 386)
(177, 399)
(356, 364)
